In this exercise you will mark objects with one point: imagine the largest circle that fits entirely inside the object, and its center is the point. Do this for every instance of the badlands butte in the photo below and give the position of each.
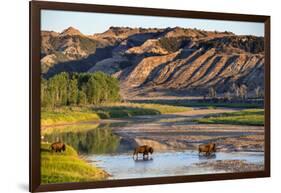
(152, 62)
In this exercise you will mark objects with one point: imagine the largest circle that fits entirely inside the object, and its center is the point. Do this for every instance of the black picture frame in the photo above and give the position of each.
(36, 6)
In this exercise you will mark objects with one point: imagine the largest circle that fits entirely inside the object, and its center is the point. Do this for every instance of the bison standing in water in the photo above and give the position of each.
(145, 150)
(207, 148)
(58, 147)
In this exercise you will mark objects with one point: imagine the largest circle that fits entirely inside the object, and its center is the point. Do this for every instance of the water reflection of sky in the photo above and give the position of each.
(165, 164)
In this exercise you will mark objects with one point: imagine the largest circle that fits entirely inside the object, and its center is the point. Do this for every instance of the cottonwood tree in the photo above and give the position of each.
(93, 92)
(235, 90)
(258, 91)
(79, 88)
(227, 96)
(81, 98)
(243, 91)
(72, 92)
(212, 92)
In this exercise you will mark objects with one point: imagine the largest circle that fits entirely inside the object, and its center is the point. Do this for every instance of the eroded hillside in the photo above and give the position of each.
(159, 62)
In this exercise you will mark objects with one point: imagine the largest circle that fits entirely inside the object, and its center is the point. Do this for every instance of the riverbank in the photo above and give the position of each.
(67, 115)
(196, 102)
(61, 116)
(181, 131)
(229, 166)
(172, 131)
(67, 167)
(243, 117)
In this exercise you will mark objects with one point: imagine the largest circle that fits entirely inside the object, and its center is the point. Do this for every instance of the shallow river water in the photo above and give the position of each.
(122, 166)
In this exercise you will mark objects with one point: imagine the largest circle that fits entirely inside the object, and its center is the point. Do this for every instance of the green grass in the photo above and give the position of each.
(164, 109)
(67, 167)
(229, 105)
(66, 115)
(244, 117)
(121, 110)
(69, 128)
(210, 105)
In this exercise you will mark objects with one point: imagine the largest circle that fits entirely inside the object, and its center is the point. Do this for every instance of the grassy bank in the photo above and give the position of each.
(67, 167)
(120, 110)
(225, 105)
(72, 128)
(66, 115)
(189, 103)
(244, 117)
(116, 110)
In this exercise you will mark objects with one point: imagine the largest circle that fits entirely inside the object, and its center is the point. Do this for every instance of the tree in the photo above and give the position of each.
(93, 91)
(212, 92)
(79, 88)
(258, 91)
(113, 90)
(235, 89)
(44, 92)
(82, 98)
(72, 92)
(52, 93)
(227, 96)
(243, 90)
(103, 91)
(58, 86)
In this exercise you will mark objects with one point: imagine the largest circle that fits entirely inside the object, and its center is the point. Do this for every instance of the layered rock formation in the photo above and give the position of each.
(170, 61)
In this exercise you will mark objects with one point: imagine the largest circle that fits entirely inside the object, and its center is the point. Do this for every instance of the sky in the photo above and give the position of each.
(90, 23)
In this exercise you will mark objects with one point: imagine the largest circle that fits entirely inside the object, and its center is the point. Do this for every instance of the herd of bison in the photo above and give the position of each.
(145, 150)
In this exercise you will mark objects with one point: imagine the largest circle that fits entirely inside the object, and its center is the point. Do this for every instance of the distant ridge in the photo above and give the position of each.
(71, 31)
(152, 61)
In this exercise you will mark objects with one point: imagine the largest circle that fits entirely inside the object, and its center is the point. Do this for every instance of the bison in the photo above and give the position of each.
(145, 150)
(207, 148)
(58, 147)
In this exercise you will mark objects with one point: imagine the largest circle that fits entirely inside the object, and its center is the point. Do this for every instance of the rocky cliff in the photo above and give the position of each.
(159, 62)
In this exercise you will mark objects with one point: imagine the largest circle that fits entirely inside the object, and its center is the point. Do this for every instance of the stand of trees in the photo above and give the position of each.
(237, 92)
(66, 89)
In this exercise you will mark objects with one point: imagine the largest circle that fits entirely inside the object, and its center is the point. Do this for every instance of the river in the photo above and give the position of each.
(175, 139)
(122, 166)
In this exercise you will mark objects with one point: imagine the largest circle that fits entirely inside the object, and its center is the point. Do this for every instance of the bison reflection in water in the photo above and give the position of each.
(145, 150)
(99, 140)
(207, 157)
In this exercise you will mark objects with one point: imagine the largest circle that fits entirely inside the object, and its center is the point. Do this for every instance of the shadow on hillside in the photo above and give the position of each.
(82, 65)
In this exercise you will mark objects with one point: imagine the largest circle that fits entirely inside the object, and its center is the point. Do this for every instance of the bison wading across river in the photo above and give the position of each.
(145, 150)
(58, 147)
(207, 148)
